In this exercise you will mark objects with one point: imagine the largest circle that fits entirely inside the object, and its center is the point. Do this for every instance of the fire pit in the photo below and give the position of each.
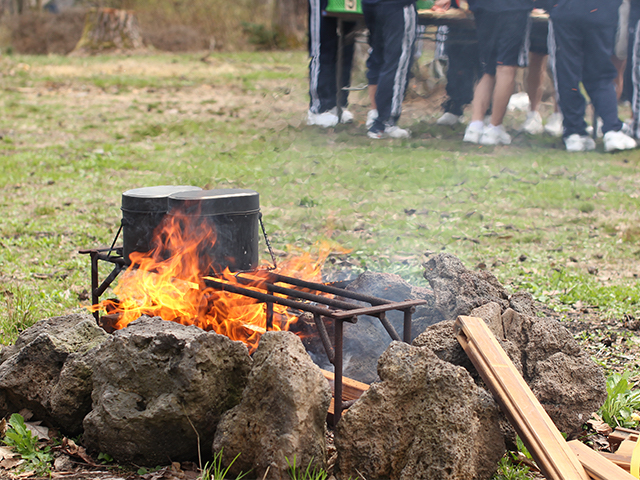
(204, 251)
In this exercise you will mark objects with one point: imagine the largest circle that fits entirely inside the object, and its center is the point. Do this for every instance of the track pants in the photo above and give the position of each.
(463, 70)
(581, 51)
(323, 50)
(633, 63)
(392, 34)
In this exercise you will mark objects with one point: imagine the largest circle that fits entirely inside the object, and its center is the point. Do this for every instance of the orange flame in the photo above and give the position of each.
(169, 282)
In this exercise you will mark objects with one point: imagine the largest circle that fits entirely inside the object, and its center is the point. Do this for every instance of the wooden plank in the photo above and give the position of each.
(622, 461)
(530, 420)
(598, 467)
(351, 389)
(626, 448)
(621, 434)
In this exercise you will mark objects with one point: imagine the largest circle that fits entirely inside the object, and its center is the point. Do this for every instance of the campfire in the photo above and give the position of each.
(191, 256)
(172, 281)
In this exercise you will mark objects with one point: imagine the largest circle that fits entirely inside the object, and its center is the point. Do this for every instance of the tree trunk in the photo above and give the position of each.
(110, 29)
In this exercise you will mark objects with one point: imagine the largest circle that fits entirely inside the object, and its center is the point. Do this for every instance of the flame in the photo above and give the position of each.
(170, 282)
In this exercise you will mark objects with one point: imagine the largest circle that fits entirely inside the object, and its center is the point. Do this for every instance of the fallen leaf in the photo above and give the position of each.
(9, 463)
(6, 452)
(38, 430)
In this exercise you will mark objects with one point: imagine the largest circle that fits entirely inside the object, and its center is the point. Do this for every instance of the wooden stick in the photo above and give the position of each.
(530, 420)
(598, 467)
(622, 461)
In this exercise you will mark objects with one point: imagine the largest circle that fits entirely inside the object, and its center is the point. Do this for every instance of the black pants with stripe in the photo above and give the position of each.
(323, 50)
(392, 35)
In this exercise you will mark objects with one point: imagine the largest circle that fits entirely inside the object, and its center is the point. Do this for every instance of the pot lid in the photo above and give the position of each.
(215, 202)
(152, 199)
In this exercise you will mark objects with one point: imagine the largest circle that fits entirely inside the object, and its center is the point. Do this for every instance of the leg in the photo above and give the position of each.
(482, 97)
(399, 33)
(635, 70)
(535, 79)
(461, 76)
(323, 44)
(599, 74)
(568, 57)
(504, 85)
(620, 66)
(372, 96)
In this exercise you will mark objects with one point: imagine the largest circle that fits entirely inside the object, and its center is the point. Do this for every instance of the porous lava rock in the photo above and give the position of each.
(282, 416)
(458, 290)
(426, 418)
(567, 382)
(157, 383)
(48, 370)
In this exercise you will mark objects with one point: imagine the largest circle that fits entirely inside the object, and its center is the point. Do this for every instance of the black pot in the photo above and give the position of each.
(232, 215)
(142, 211)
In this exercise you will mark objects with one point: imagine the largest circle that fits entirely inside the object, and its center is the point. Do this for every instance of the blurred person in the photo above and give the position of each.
(463, 70)
(537, 54)
(323, 50)
(620, 51)
(501, 26)
(581, 42)
(392, 28)
(634, 65)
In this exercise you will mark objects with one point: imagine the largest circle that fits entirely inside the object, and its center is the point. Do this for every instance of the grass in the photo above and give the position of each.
(77, 132)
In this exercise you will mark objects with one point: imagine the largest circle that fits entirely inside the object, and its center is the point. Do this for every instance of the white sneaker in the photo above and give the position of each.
(392, 131)
(533, 123)
(495, 136)
(473, 134)
(579, 143)
(618, 141)
(346, 117)
(554, 125)
(324, 120)
(449, 119)
(371, 117)
(395, 131)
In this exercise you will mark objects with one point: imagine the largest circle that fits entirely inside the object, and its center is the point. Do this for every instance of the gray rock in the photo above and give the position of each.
(426, 419)
(54, 326)
(564, 379)
(282, 415)
(458, 290)
(155, 384)
(43, 373)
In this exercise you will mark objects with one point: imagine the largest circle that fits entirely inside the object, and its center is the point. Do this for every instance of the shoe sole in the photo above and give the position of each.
(489, 143)
(618, 149)
(473, 137)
